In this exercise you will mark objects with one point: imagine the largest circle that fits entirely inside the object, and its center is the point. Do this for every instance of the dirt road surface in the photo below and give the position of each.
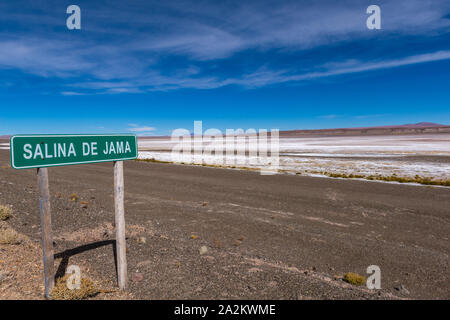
(263, 237)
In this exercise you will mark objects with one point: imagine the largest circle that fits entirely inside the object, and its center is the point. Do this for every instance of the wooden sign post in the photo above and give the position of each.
(42, 151)
(46, 230)
(121, 247)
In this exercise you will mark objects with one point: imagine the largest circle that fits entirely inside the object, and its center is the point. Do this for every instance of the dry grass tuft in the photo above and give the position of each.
(9, 236)
(354, 278)
(217, 244)
(392, 178)
(142, 240)
(237, 243)
(62, 292)
(5, 212)
(152, 160)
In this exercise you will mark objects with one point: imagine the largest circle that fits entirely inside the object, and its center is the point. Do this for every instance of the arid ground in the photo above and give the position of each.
(210, 233)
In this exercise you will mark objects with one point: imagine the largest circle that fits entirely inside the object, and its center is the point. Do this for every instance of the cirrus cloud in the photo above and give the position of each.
(208, 45)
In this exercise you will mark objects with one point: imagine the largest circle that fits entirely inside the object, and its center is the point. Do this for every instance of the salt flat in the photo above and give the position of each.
(4, 146)
(426, 155)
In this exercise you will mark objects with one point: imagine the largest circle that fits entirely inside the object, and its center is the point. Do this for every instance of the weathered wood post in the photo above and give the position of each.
(46, 229)
(120, 225)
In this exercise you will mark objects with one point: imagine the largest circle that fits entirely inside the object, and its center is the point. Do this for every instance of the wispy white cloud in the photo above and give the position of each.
(328, 116)
(262, 77)
(368, 116)
(72, 93)
(142, 129)
(129, 58)
(271, 77)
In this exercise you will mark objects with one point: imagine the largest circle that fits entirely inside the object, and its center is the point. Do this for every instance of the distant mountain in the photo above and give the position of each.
(413, 128)
(416, 128)
(415, 125)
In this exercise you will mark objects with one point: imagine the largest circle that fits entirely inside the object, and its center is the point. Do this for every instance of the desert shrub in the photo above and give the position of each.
(62, 292)
(9, 236)
(392, 178)
(152, 160)
(354, 278)
(5, 212)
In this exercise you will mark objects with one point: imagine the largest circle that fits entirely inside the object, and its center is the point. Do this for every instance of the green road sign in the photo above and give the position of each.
(38, 151)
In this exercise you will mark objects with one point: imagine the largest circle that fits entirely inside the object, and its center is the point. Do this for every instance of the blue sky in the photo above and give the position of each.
(153, 66)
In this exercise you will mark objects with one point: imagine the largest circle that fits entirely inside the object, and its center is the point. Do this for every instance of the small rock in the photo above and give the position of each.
(142, 240)
(401, 288)
(209, 258)
(137, 277)
(144, 263)
(203, 250)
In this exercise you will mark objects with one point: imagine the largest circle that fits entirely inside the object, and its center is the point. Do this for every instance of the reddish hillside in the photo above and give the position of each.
(416, 128)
